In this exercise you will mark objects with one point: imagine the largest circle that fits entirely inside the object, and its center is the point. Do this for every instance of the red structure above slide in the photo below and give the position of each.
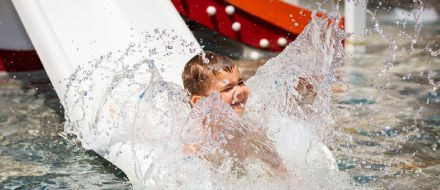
(267, 24)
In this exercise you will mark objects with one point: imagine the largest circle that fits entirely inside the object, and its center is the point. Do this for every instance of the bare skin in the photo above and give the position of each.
(306, 90)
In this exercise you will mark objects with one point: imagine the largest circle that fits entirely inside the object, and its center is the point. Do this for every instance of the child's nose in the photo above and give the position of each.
(239, 91)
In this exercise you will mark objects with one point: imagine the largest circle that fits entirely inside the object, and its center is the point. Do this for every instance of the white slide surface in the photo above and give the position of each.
(69, 33)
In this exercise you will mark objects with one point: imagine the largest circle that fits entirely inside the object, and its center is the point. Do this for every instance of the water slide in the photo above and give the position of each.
(70, 33)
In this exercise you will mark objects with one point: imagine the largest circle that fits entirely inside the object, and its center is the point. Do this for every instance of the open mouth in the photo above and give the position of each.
(238, 103)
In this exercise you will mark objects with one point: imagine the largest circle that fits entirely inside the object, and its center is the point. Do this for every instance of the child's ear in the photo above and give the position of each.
(195, 99)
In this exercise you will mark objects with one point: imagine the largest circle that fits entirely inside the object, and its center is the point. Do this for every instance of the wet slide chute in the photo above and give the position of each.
(70, 33)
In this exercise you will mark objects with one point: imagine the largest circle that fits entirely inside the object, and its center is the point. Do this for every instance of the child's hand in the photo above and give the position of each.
(192, 148)
(306, 90)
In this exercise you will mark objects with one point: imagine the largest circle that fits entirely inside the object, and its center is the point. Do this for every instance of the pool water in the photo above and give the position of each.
(389, 125)
(32, 153)
(386, 128)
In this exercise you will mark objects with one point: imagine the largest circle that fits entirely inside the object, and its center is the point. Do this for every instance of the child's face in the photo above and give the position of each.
(232, 89)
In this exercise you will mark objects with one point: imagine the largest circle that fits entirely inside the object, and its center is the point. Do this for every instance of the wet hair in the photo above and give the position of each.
(199, 71)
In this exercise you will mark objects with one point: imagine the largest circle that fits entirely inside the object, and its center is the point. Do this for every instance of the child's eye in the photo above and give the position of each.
(241, 83)
(227, 89)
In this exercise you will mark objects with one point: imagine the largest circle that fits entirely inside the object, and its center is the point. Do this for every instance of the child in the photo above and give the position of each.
(207, 73)
(210, 72)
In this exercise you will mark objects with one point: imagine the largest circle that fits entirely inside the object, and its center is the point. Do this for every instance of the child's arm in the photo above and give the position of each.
(191, 148)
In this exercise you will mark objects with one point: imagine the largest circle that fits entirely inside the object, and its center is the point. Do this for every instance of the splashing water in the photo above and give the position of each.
(146, 126)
